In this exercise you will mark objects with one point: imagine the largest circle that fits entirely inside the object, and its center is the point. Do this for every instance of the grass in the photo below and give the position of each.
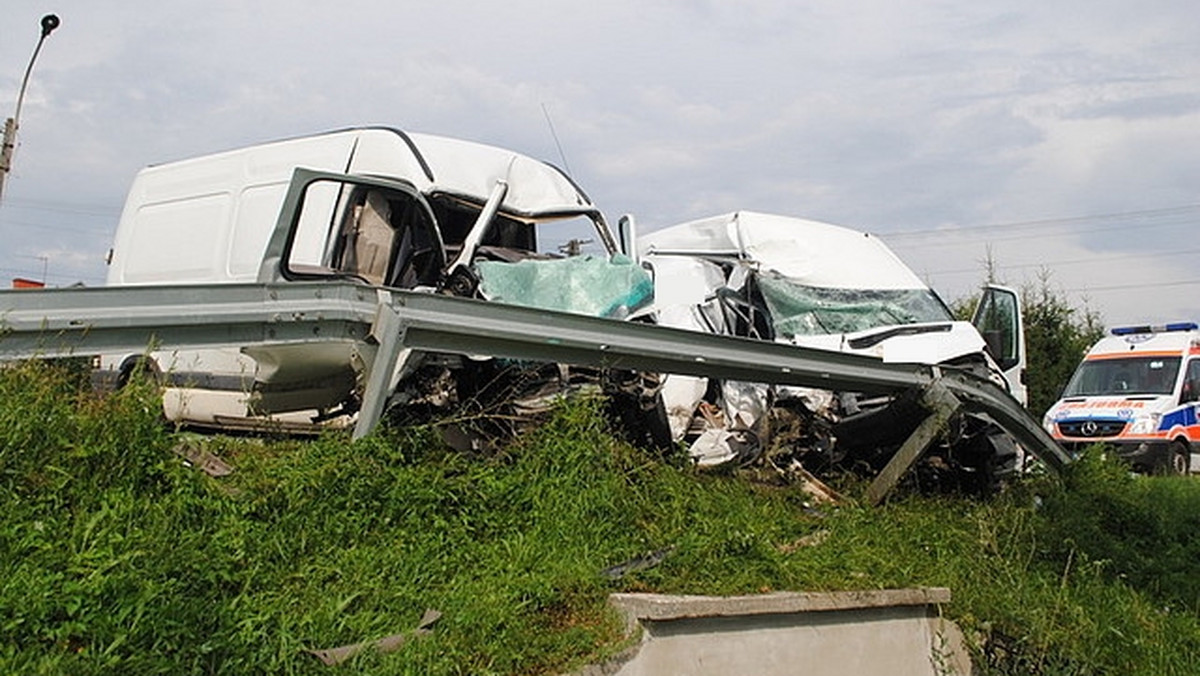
(116, 558)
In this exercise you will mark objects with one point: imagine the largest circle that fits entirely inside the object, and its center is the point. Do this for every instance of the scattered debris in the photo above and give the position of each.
(639, 563)
(335, 656)
(195, 455)
(811, 540)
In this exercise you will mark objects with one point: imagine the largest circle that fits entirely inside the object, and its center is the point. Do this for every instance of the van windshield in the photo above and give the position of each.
(1126, 375)
(800, 310)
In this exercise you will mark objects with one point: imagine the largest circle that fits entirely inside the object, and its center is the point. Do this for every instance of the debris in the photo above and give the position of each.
(639, 563)
(196, 456)
(820, 492)
(811, 540)
(335, 656)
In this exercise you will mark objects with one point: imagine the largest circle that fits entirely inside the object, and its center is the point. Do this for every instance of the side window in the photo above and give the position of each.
(1191, 383)
(997, 319)
(382, 236)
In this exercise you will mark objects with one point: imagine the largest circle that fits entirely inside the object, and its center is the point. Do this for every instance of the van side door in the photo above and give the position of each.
(998, 319)
(379, 231)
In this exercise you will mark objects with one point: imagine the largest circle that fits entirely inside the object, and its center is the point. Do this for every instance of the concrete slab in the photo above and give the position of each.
(896, 632)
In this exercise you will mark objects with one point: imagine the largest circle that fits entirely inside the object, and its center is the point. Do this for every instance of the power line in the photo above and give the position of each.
(1077, 261)
(105, 229)
(63, 207)
(1164, 211)
(950, 237)
(1126, 287)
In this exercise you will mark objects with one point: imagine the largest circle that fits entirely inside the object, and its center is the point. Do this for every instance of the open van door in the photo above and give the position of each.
(998, 319)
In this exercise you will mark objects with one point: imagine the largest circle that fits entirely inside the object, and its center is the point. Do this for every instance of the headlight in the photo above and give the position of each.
(1146, 425)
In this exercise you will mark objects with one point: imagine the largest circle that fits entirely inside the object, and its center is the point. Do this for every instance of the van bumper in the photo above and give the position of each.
(1146, 455)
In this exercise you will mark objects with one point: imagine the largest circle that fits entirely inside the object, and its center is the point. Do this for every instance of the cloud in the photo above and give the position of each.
(885, 116)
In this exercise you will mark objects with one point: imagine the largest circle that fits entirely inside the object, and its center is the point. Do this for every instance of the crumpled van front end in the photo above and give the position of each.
(823, 286)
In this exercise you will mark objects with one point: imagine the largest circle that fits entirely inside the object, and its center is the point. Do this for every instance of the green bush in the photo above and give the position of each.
(117, 558)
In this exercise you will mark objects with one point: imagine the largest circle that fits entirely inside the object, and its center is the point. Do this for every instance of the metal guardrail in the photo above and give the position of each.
(63, 322)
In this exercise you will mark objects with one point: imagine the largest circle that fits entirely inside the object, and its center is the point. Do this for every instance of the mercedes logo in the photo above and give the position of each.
(1089, 428)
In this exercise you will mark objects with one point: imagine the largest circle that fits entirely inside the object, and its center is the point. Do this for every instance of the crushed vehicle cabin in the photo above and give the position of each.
(812, 284)
(382, 207)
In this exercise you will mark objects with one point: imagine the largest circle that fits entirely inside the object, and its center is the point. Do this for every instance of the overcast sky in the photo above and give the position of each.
(1058, 138)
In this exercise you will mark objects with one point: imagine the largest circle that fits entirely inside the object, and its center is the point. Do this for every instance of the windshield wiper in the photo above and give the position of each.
(875, 338)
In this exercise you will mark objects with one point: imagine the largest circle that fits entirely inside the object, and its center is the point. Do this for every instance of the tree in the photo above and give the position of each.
(1056, 336)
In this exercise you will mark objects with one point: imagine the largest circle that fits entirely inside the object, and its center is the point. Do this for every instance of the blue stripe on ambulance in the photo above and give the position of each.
(1182, 417)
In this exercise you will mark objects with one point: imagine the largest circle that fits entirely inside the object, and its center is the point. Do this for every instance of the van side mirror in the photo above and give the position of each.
(627, 236)
(1190, 391)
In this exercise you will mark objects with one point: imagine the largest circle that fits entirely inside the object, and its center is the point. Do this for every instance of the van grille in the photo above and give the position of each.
(1091, 428)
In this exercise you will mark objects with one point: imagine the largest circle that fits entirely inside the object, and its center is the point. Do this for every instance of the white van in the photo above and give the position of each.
(1137, 391)
(377, 205)
(822, 286)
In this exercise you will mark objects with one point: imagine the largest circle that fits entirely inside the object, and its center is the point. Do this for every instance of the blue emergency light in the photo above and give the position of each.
(1158, 328)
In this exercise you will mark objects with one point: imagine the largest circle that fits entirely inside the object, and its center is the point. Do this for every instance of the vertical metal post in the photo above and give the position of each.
(386, 331)
(941, 404)
(49, 23)
(10, 140)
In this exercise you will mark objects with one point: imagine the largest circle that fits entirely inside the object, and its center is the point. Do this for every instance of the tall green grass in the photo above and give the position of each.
(117, 558)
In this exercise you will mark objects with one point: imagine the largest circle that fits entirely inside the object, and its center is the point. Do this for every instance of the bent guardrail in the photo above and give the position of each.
(65, 322)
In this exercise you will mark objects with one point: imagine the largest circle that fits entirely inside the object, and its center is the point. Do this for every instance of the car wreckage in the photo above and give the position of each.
(387, 209)
(306, 265)
(812, 284)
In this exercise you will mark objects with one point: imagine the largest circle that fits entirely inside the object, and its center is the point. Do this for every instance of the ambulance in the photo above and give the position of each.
(1138, 392)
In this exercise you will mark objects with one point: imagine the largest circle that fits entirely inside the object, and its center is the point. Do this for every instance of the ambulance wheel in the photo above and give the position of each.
(1181, 458)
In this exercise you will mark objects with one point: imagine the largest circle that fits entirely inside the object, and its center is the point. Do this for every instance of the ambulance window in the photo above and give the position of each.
(1191, 382)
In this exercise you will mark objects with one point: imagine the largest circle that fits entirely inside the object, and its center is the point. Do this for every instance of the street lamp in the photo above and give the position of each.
(49, 23)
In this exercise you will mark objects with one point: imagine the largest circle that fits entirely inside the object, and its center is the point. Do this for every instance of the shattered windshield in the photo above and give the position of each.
(799, 310)
(601, 287)
(1127, 375)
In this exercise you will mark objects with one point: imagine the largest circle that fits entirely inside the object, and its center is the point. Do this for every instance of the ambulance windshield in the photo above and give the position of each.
(1124, 376)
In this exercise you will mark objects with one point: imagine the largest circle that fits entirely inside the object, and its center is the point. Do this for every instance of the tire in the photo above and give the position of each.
(139, 369)
(1180, 458)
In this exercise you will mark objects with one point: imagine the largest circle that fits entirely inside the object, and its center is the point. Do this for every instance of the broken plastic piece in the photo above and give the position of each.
(203, 460)
(639, 563)
(335, 656)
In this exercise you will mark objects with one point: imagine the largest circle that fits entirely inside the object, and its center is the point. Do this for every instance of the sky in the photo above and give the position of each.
(1053, 143)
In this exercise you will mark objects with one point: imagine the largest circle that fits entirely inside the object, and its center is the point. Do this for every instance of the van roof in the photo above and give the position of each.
(809, 252)
(434, 164)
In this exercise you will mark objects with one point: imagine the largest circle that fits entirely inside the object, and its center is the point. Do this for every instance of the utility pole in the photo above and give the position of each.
(49, 23)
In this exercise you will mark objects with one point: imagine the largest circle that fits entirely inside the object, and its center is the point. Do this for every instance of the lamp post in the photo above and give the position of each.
(49, 23)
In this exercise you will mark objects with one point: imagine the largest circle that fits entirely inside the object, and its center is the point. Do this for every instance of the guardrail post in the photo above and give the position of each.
(386, 330)
(941, 404)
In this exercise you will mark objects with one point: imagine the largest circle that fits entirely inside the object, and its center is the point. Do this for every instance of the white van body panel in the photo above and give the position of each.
(207, 220)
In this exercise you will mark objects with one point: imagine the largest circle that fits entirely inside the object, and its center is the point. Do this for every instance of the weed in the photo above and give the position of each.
(117, 558)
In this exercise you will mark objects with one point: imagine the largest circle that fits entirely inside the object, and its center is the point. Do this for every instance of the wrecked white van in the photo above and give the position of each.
(1136, 391)
(387, 208)
(819, 285)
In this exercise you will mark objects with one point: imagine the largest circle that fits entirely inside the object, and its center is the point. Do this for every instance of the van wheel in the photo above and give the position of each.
(1181, 458)
(138, 370)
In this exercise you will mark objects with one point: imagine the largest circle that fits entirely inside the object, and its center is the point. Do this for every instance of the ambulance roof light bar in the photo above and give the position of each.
(1157, 328)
